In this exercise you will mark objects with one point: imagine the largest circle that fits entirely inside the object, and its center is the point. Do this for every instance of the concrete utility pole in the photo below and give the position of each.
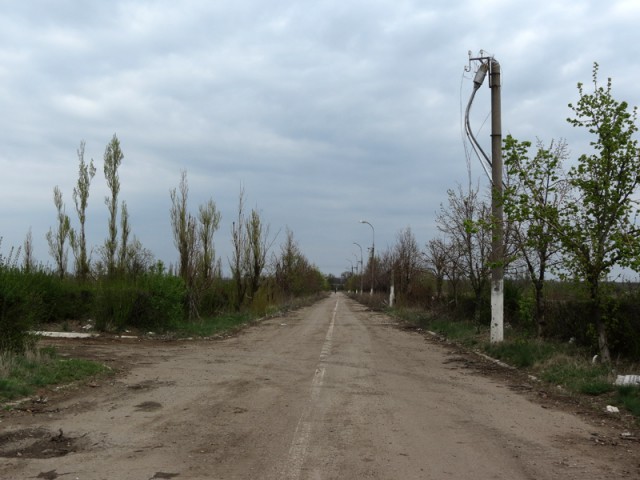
(392, 291)
(373, 246)
(497, 210)
(488, 63)
(361, 267)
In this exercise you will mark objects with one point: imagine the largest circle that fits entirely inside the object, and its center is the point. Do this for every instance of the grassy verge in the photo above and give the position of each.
(556, 363)
(209, 326)
(22, 375)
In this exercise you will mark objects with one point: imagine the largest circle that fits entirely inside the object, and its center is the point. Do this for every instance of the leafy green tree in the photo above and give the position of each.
(536, 190)
(112, 159)
(86, 172)
(598, 228)
(57, 239)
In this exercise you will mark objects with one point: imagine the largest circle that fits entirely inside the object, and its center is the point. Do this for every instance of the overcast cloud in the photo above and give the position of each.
(326, 112)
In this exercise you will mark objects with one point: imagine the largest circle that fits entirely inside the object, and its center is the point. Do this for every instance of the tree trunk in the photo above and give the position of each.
(601, 328)
(539, 313)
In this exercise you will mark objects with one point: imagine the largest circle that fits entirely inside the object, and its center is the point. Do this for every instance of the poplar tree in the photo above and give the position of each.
(112, 159)
(86, 173)
(57, 239)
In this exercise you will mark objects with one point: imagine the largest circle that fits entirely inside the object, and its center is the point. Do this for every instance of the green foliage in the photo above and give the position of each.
(629, 397)
(150, 302)
(576, 374)
(57, 238)
(113, 157)
(20, 307)
(86, 173)
(215, 298)
(22, 374)
(590, 212)
(462, 331)
(522, 353)
(114, 302)
(208, 326)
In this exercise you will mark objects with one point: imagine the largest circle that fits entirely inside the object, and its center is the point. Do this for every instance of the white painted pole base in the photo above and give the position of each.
(497, 311)
(392, 296)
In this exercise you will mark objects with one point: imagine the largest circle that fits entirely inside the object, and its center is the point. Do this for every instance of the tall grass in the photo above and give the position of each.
(629, 397)
(576, 374)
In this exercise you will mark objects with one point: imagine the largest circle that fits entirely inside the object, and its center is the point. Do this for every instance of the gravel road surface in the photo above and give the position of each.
(331, 391)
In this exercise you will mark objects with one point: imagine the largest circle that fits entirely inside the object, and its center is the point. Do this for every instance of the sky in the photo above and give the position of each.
(324, 112)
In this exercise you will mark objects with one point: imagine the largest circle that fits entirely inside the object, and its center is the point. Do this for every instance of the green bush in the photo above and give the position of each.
(577, 374)
(160, 302)
(113, 304)
(20, 308)
(151, 302)
(216, 298)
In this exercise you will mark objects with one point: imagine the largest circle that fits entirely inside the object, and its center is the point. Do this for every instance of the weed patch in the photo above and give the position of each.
(629, 397)
(208, 326)
(461, 331)
(23, 374)
(521, 353)
(576, 374)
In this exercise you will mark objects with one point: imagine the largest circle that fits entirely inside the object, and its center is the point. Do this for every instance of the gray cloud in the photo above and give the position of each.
(327, 112)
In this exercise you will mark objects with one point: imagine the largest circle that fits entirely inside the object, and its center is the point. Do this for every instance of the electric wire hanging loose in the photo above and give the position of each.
(482, 156)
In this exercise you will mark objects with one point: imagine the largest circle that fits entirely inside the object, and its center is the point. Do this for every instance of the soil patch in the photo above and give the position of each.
(39, 443)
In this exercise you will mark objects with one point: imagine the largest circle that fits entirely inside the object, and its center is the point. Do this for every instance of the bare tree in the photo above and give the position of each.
(138, 259)
(436, 260)
(241, 247)
(259, 245)
(28, 262)
(294, 274)
(407, 263)
(184, 227)
(186, 241)
(251, 244)
(466, 222)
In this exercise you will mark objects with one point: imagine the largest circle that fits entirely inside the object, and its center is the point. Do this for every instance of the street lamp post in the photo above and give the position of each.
(373, 247)
(361, 265)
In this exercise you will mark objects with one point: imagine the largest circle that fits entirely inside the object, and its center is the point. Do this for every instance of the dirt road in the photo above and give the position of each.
(329, 392)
